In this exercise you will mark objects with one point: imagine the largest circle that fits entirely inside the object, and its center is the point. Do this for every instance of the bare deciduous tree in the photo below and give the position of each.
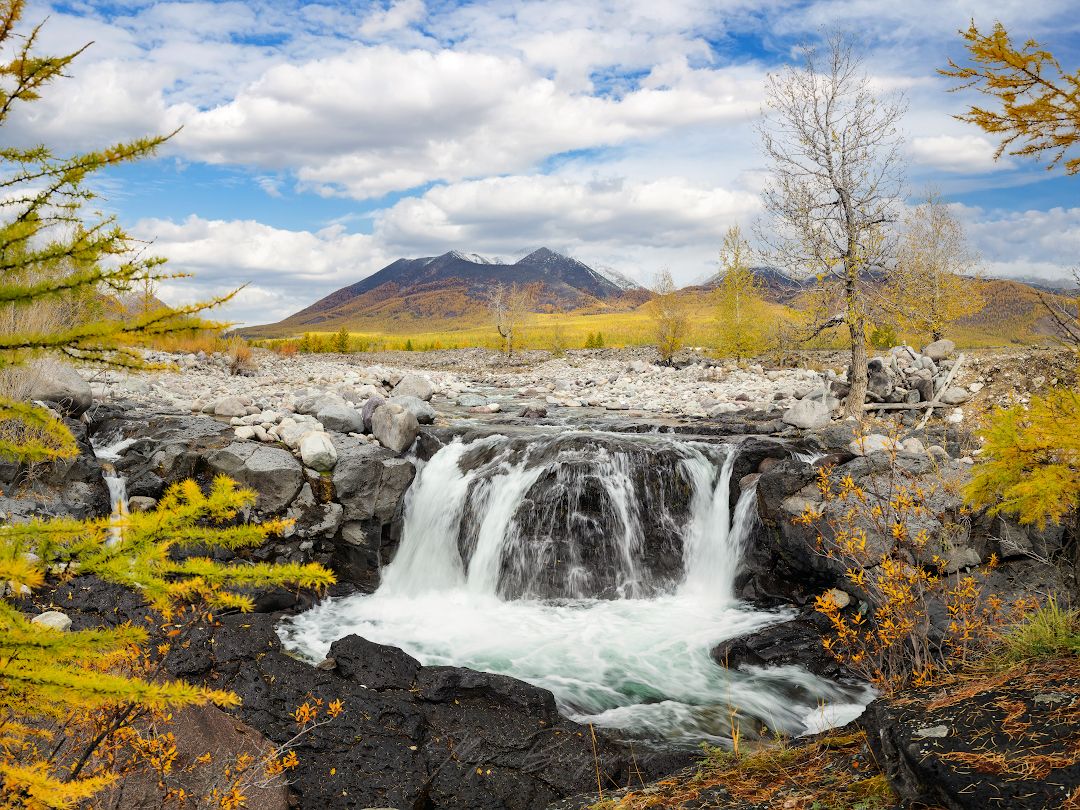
(1065, 314)
(932, 285)
(668, 312)
(508, 306)
(835, 186)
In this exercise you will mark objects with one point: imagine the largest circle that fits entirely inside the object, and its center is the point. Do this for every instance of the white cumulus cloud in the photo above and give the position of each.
(957, 153)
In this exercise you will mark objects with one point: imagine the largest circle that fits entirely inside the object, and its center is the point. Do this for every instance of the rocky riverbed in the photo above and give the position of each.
(337, 443)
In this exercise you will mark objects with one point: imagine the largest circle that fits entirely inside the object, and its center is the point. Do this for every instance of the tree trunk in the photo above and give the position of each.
(856, 322)
(856, 398)
(509, 343)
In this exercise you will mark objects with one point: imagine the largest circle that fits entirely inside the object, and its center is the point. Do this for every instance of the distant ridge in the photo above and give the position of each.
(777, 286)
(456, 284)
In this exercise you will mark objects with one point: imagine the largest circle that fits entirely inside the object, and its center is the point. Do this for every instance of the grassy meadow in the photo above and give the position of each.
(996, 326)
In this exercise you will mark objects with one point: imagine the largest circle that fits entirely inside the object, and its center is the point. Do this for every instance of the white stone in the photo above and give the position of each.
(954, 395)
(939, 349)
(53, 619)
(872, 443)
(394, 427)
(318, 452)
(414, 385)
(913, 446)
(245, 432)
(229, 406)
(808, 414)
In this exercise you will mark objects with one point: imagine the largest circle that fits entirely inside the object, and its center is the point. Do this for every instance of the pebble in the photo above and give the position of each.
(53, 619)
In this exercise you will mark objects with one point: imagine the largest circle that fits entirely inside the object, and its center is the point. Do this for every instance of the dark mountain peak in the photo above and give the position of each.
(542, 256)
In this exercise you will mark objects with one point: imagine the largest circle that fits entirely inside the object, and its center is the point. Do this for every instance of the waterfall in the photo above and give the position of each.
(117, 484)
(433, 508)
(598, 566)
(709, 560)
(563, 518)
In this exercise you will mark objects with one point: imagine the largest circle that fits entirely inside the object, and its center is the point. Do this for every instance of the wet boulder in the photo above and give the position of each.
(375, 666)
(793, 642)
(582, 497)
(272, 472)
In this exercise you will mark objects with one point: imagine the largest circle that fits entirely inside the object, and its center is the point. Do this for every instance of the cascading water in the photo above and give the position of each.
(116, 483)
(599, 567)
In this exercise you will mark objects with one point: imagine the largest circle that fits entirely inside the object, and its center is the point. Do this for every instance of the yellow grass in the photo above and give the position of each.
(1017, 324)
(541, 331)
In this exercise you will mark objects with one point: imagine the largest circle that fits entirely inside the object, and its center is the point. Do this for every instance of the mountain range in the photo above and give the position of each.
(457, 284)
(451, 291)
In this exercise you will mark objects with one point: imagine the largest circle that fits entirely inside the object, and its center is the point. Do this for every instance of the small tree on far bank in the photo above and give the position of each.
(509, 305)
(739, 305)
(835, 189)
(341, 340)
(668, 312)
(932, 286)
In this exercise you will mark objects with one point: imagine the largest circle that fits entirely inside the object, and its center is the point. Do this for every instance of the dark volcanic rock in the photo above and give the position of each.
(567, 531)
(797, 641)
(410, 736)
(375, 666)
(370, 484)
(784, 560)
(350, 521)
(1009, 740)
(68, 488)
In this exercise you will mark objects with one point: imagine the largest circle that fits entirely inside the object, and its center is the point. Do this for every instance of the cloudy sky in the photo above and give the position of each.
(323, 140)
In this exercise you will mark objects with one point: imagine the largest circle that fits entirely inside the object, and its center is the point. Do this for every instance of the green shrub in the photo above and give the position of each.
(1047, 632)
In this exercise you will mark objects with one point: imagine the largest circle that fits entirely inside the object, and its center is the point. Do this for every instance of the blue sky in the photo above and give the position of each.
(322, 140)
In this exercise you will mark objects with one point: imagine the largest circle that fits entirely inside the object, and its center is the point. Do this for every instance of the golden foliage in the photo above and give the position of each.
(740, 308)
(1036, 104)
(900, 571)
(929, 289)
(45, 675)
(1030, 464)
(669, 316)
(241, 357)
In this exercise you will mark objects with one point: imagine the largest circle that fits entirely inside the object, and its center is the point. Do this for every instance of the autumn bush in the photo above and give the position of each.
(900, 574)
(240, 355)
